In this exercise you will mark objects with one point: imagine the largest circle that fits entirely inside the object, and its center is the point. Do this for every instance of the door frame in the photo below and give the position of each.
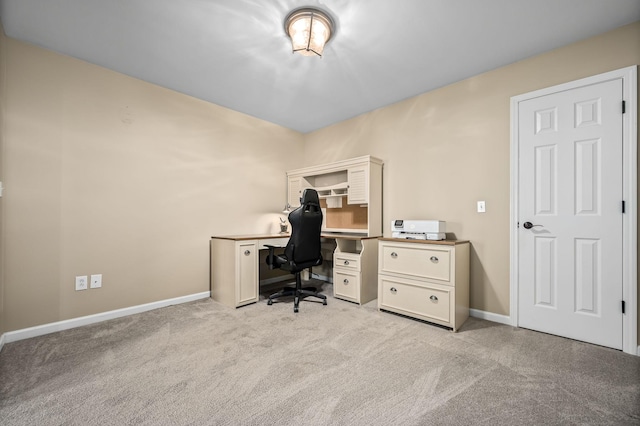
(629, 192)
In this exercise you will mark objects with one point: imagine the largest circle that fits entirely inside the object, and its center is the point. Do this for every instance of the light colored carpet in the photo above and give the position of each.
(202, 363)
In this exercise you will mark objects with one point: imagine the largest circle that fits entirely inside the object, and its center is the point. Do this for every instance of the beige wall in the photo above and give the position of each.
(2, 99)
(447, 149)
(107, 174)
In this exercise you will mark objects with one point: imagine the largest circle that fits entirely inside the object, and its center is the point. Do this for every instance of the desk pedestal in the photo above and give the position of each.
(355, 269)
(235, 268)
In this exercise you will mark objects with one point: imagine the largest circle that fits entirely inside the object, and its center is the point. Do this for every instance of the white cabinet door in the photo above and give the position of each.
(247, 272)
(294, 191)
(358, 192)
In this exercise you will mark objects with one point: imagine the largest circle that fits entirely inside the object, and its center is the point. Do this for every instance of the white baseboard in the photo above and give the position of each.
(39, 330)
(490, 316)
(13, 336)
(502, 319)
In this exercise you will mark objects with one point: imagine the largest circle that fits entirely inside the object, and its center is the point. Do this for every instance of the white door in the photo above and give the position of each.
(570, 190)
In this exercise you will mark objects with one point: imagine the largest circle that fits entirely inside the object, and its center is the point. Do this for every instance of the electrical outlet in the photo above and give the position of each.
(96, 281)
(481, 207)
(81, 282)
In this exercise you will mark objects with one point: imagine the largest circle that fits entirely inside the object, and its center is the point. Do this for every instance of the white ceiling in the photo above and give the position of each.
(235, 53)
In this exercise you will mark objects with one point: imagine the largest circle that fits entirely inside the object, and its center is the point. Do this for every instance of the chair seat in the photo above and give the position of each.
(295, 267)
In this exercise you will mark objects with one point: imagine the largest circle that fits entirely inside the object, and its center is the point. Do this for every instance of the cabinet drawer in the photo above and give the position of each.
(415, 300)
(346, 284)
(416, 260)
(346, 261)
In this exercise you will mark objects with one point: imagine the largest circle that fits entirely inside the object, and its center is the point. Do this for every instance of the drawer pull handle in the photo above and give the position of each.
(433, 298)
(346, 262)
(247, 252)
(394, 254)
(434, 259)
(393, 290)
(346, 281)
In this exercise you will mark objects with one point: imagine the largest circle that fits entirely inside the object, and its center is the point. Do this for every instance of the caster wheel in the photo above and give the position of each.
(270, 302)
(324, 302)
(295, 310)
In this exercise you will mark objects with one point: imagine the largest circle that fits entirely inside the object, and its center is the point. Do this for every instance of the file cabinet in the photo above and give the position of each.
(426, 280)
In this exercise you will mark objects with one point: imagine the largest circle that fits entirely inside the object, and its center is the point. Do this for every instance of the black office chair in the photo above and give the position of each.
(302, 250)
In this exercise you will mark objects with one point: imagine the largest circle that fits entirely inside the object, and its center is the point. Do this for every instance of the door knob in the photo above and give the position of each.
(529, 225)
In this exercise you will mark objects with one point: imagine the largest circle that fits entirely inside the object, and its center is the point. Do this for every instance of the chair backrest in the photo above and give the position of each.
(303, 248)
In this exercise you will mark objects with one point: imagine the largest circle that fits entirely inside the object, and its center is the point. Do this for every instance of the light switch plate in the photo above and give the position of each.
(481, 207)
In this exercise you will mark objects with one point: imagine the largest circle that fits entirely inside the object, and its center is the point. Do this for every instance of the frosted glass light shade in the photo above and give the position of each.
(309, 30)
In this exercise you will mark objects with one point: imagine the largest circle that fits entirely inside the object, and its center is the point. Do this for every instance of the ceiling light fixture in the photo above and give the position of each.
(309, 29)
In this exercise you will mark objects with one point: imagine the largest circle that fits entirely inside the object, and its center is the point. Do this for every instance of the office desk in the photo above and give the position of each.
(235, 268)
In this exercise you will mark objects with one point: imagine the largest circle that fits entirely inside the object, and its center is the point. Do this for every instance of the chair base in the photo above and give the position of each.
(298, 293)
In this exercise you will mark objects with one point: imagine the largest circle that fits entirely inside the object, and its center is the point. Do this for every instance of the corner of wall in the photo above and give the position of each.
(2, 242)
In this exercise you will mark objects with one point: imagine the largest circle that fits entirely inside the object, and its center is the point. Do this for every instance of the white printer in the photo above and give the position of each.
(418, 229)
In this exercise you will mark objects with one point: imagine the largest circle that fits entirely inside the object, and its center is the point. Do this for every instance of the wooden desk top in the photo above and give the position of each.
(251, 237)
(440, 242)
(346, 236)
(269, 236)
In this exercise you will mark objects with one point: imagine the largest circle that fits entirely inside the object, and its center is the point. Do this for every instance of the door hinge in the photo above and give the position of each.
(623, 206)
(623, 306)
(624, 107)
